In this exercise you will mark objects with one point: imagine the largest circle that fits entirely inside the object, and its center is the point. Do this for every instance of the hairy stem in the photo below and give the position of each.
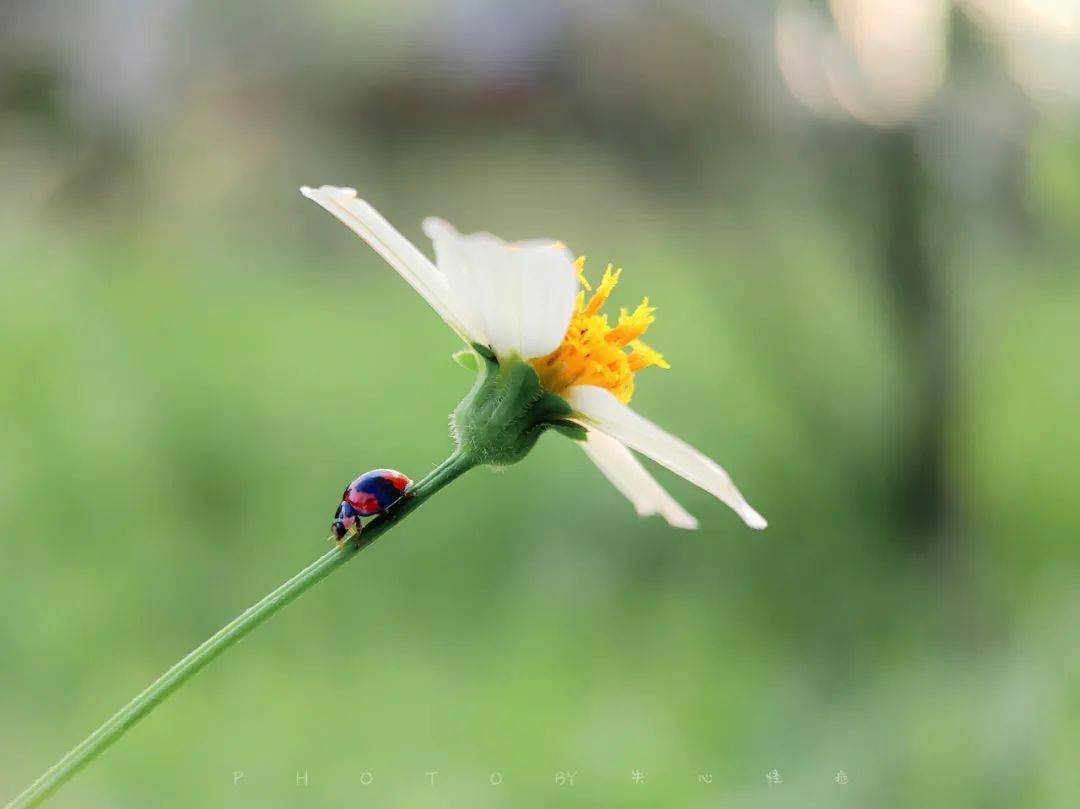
(98, 741)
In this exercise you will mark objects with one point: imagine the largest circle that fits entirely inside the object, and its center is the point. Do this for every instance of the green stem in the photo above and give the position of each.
(97, 742)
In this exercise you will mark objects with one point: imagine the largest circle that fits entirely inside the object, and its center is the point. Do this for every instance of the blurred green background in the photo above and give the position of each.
(859, 223)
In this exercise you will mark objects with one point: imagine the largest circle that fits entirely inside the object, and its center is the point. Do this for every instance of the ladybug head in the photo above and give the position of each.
(344, 520)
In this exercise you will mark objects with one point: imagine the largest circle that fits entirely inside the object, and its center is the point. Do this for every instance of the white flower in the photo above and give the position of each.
(522, 300)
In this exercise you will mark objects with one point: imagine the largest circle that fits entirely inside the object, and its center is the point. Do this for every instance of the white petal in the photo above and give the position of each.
(520, 294)
(599, 408)
(549, 286)
(632, 479)
(399, 252)
(452, 264)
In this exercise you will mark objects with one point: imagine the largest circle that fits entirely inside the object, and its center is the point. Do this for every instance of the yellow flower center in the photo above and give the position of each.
(594, 352)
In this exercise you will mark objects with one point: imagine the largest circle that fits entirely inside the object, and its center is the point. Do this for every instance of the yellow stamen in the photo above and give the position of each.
(632, 326)
(607, 283)
(595, 353)
(644, 355)
(579, 265)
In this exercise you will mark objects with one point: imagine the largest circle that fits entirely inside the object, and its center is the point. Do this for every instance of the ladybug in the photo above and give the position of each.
(371, 493)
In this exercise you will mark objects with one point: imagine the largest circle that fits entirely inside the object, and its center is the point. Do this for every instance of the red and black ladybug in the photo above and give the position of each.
(370, 494)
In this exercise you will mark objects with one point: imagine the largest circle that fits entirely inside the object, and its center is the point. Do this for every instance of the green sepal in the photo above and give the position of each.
(507, 411)
(571, 429)
(467, 359)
